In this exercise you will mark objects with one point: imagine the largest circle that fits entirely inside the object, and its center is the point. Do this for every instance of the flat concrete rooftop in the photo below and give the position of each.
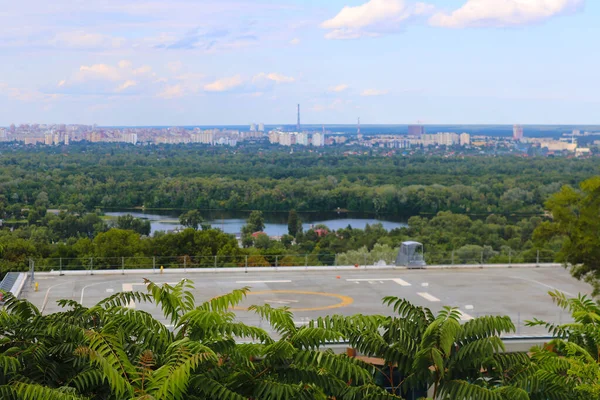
(521, 293)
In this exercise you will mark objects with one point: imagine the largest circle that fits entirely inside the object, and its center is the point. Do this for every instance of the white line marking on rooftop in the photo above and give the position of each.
(543, 284)
(381, 280)
(91, 284)
(48, 293)
(109, 290)
(284, 281)
(465, 316)
(429, 297)
(425, 284)
(128, 287)
(469, 307)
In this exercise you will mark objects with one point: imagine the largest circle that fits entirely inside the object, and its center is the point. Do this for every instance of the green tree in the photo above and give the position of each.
(569, 365)
(129, 222)
(256, 222)
(422, 351)
(113, 352)
(191, 219)
(294, 223)
(575, 220)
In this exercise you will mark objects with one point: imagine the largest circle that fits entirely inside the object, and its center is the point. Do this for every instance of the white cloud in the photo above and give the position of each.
(124, 64)
(275, 77)
(127, 84)
(225, 84)
(374, 92)
(373, 18)
(295, 41)
(101, 78)
(171, 92)
(495, 13)
(338, 88)
(26, 94)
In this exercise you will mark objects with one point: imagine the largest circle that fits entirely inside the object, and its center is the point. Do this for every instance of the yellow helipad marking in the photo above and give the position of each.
(345, 300)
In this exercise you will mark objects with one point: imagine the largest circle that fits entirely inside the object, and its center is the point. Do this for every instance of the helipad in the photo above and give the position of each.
(521, 293)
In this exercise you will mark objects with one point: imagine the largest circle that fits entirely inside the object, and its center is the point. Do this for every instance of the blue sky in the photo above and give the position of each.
(194, 62)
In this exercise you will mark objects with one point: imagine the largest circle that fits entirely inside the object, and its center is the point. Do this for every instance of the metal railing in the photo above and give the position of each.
(457, 257)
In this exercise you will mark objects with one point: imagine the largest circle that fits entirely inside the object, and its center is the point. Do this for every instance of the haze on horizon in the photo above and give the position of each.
(205, 62)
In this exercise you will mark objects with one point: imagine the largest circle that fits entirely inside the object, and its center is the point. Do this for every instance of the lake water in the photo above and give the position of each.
(275, 223)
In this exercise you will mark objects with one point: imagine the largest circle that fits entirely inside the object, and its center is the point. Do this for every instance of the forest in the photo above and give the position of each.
(85, 177)
(465, 210)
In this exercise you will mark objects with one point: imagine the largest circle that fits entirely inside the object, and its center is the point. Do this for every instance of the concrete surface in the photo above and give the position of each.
(520, 293)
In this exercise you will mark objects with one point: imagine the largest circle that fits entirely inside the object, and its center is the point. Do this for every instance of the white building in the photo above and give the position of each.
(261, 127)
(274, 137)
(465, 139)
(129, 138)
(318, 139)
(302, 139)
(285, 139)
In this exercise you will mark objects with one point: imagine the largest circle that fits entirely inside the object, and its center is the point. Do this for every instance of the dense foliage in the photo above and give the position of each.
(86, 241)
(576, 221)
(87, 176)
(111, 351)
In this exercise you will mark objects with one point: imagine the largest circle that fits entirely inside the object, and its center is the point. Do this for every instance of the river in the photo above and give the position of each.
(275, 223)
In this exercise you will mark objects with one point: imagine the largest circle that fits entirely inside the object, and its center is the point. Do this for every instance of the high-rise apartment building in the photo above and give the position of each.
(274, 137)
(302, 139)
(465, 139)
(517, 133)
(318, 139)
(416, 130)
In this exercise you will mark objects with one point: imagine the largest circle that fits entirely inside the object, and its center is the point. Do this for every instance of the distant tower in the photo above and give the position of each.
(359, 135)
(298, 123)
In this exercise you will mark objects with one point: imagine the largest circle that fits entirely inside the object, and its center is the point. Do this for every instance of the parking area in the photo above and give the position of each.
(521, 293)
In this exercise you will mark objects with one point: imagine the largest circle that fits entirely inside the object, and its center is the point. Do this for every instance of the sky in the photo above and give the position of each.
(205, 62)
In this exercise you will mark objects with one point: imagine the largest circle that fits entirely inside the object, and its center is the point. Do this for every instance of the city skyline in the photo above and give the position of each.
(143, 63)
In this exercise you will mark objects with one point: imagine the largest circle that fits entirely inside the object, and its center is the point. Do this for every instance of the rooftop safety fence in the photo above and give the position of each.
(469, 256)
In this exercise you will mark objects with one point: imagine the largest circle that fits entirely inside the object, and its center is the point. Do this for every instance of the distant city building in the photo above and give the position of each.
(416, 130)
(129, 138)
(285, 138)
(302, 139)
(440, 139)
(48, 139)
(318, 139)
(465, 139)
(261, 127)
(274, 137)
(66, 140)
(517, 133)
(252, 127)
